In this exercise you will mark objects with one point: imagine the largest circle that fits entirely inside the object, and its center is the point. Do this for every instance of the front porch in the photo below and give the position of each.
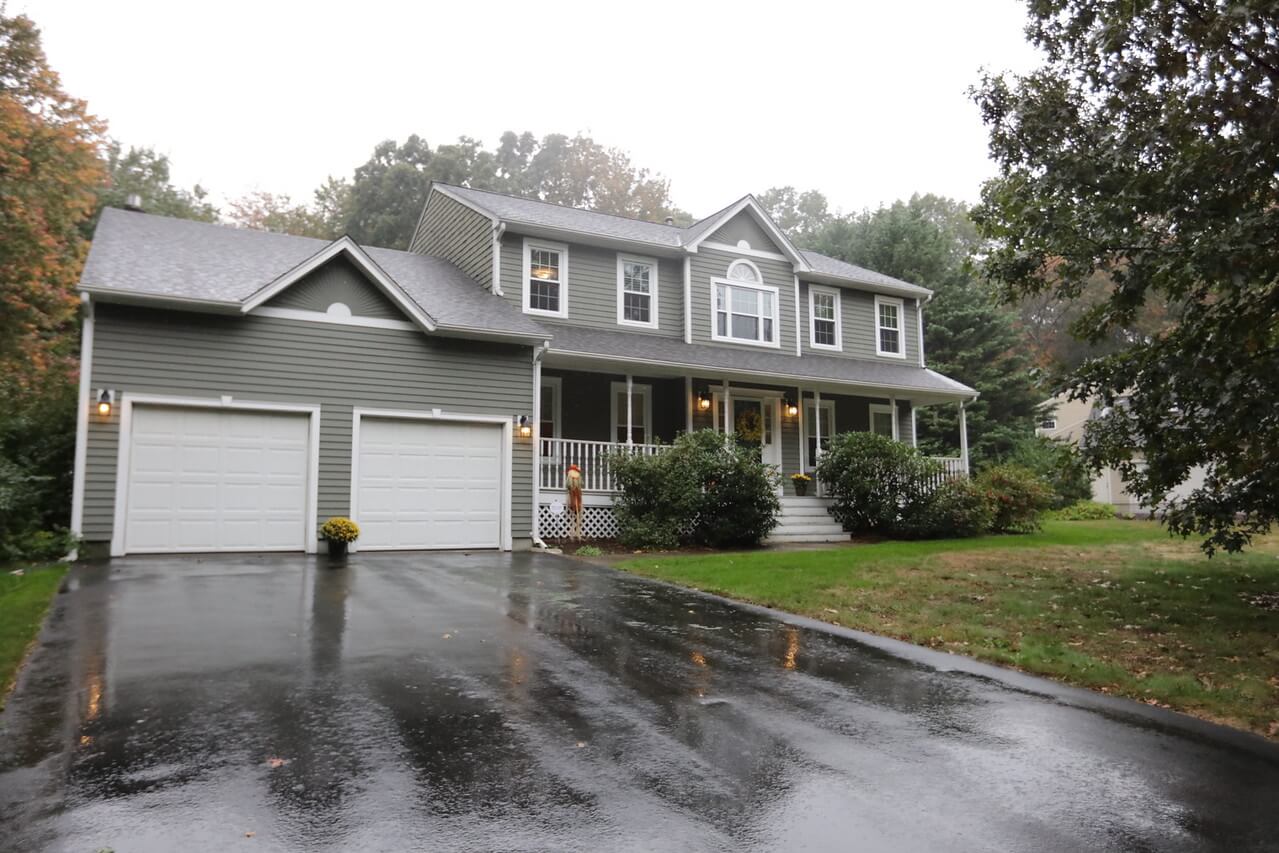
(584, 417)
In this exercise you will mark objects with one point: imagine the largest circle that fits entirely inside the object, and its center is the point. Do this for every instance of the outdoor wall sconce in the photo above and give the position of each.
(106, 399)
(525, 428)
(703, 403)
(792, 408)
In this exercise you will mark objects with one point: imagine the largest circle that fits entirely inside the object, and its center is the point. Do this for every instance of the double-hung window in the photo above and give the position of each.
(889, 327)
(745, 309)
(545, 278)
(823, 312)
(637, 291)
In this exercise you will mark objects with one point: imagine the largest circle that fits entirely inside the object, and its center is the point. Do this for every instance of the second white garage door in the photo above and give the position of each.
(428, 484)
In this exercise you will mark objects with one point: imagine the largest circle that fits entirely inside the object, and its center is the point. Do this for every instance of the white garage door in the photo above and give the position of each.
(216, 480)
(424, 484)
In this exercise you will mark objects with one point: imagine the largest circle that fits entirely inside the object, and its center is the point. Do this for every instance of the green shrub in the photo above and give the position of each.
(1082, 511)
(956, 508)
(705, 489)
(39, 546)
(873, 480)
(588, 551)
(1017, 497)
(1059, 464)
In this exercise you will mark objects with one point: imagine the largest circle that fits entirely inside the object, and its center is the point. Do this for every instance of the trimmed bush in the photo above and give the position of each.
(705, 489)
(1082, 511)
(873, 480)
(956, 508)
(1059, 464)
(1017, 497)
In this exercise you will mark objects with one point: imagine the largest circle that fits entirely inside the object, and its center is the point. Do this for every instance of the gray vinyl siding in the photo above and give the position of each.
(857, 326)
(453, 231)
(266, 359)
(713, 263)
(592, 286)
(338, 281)
(744, 227)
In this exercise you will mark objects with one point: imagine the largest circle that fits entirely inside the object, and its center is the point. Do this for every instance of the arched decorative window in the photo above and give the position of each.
(744, 271)
(744, 307)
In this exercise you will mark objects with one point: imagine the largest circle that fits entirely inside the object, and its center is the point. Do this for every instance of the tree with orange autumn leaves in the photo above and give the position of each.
(50, 167)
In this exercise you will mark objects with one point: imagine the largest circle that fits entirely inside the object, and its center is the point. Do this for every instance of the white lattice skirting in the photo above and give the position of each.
(597, 523)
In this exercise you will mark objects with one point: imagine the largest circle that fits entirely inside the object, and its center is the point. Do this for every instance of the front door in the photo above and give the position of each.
(755, 425)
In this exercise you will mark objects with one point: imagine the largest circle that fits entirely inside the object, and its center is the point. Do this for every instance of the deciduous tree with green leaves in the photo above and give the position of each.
(145, 173)
(1146, 148)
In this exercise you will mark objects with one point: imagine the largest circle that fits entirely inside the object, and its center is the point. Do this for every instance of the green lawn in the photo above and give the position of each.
(24, 599)
(1113, 605)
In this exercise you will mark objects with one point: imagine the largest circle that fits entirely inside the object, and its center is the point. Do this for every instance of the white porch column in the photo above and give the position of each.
(688, 404)
(963, 436)
(630, 420)
(892, 403)
(728, 407)
(914, 425)
(803, 435)
(817, 424)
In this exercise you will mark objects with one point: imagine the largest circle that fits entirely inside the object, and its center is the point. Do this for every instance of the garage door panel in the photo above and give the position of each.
(216, 480)
(423, 484)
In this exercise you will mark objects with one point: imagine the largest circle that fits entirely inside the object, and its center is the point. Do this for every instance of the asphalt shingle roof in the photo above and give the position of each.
(532, 212)
(854, 371)
(540, 213)
(148, 255)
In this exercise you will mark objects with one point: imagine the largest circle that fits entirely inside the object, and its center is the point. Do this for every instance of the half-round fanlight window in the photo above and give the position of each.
(743, 271)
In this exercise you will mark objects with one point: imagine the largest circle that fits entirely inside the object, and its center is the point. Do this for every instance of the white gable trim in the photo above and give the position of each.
(762, 218)
(738, 250)
(358, 257)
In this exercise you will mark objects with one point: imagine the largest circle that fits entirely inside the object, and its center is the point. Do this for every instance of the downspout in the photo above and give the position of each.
(799, 338)
(919, 317)
(535, 533)
(688, 300)
(499, 228)
(82, 422)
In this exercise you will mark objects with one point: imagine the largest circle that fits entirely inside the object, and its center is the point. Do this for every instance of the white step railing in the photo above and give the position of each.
(591, 458)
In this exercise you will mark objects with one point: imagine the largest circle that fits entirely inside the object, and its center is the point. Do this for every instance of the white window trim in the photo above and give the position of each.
(531, 243)
(776, 343)
(504, 421)
(652, 295)
(613, 414)
(901, 326)
(556, 384)
(879, 409)
(813, 290)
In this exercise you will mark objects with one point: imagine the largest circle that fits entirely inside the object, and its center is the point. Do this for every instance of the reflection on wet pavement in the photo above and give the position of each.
(525, 702)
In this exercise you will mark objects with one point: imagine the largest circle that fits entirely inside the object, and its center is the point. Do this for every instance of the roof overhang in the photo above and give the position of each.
(911, 291)
(160, 300)
(651, 367)
(343, 246)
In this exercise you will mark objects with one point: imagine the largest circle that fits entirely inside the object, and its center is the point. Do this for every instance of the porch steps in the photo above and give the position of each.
(806, 520)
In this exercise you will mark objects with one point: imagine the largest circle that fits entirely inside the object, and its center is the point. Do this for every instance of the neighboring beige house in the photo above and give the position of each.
(1065, 419)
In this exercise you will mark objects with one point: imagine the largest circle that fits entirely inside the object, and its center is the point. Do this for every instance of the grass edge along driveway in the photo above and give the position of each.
(24, 600)
(1117, 606)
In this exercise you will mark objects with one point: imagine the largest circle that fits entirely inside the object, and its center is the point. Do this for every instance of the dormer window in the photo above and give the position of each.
(545, 278)
(745, 309)
(636, 291)
(889, 339)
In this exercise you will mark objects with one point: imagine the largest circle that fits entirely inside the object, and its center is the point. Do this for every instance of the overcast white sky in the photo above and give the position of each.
(862, 100)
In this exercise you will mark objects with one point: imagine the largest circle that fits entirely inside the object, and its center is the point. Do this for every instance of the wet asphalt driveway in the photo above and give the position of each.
(521, 702)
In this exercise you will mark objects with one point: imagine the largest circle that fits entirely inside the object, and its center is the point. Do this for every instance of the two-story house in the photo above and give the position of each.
(239, 387)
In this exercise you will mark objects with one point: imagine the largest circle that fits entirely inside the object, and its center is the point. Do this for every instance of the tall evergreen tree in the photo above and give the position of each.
(928, 240)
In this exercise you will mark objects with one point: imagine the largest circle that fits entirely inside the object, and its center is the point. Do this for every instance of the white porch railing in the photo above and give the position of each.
(951, 468)
(591, 458)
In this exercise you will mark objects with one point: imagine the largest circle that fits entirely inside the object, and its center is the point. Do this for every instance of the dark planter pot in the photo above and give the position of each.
(337, 550)
(801, 489)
